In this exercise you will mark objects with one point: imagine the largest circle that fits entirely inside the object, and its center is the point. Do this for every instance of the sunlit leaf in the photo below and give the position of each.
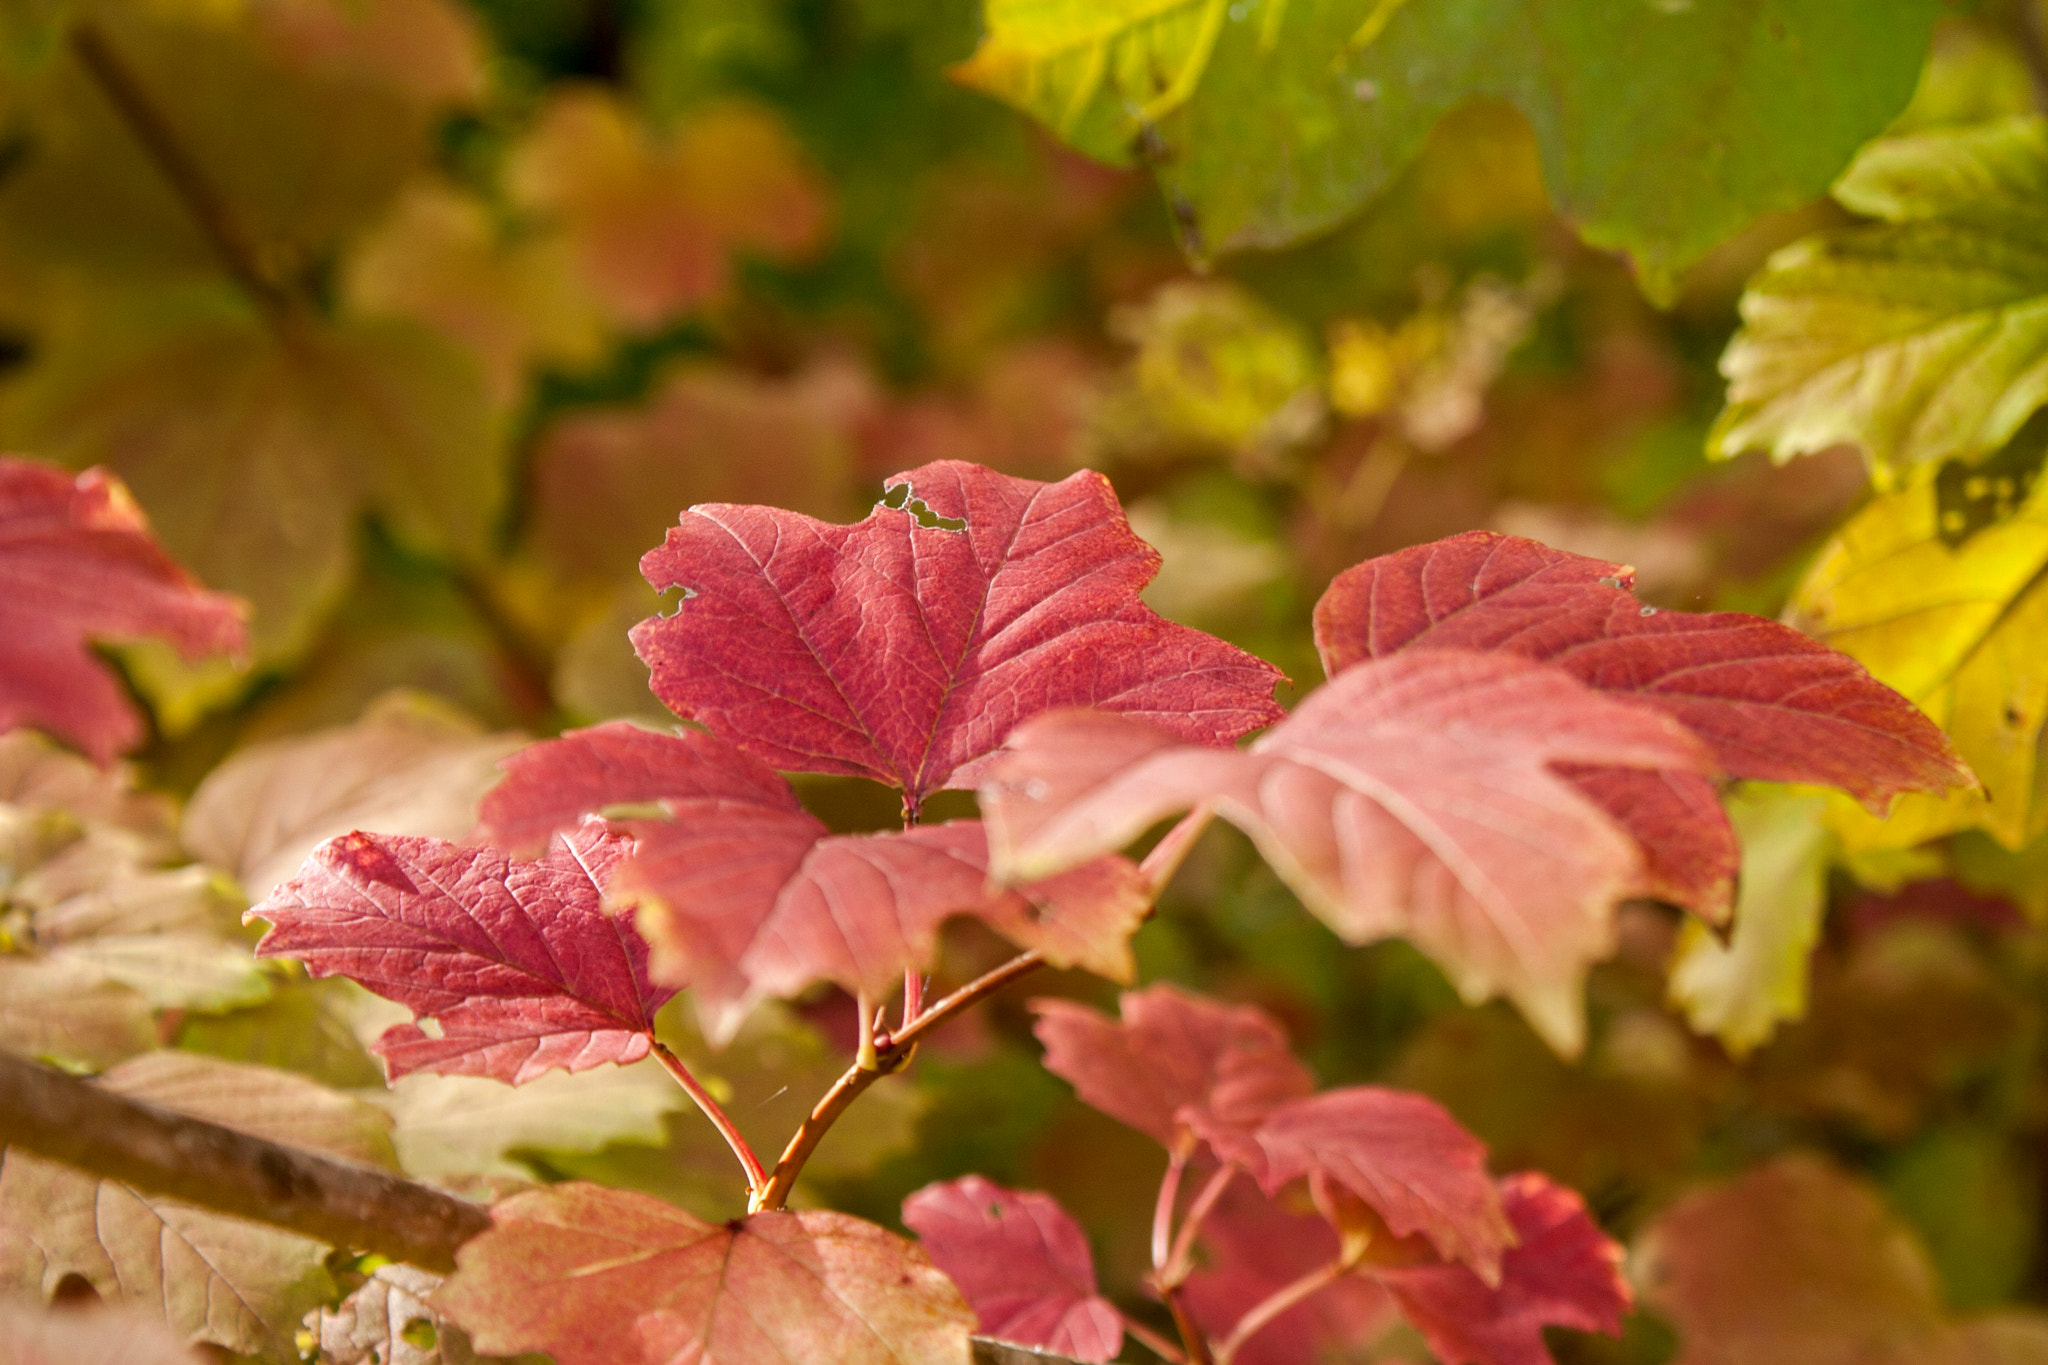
(905, 651)
(104, 1336)
(445, 1126)
(1412, 796)
(515, 965)
(603, 1277)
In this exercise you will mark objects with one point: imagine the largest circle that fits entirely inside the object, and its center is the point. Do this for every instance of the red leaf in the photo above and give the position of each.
(517, 961)
(1022, 1262)
(1769, 701)
(905, 652)
(745, 895)
(1255, 1247)
(1399, 1152)
(1564, 1272)
(1175, 1060)
(78, 563)
(607, 1277)
(1690, 854)
(1412, 795)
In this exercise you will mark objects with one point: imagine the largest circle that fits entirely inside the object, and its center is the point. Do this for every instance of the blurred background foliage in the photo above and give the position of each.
(415, 322)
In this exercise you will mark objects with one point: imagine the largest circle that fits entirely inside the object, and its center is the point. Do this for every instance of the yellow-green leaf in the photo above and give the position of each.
(1741, 990)
(1920, 338)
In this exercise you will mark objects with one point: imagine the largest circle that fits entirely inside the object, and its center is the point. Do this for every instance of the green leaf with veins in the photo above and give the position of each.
(1665, 126)
(1920, 338)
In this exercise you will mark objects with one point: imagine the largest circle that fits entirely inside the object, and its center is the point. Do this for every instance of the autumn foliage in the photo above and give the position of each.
(1304, 823)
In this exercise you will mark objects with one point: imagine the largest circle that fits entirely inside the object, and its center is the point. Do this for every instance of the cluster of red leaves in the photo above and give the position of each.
(1510, 745)
(77, 564)
(1410, 1221)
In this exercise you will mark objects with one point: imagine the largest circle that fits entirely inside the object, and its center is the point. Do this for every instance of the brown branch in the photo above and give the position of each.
(208, 207)
(65, 1119)
(891, 1053)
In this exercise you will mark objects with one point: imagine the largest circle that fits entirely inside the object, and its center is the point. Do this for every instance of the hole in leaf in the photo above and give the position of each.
(420, 1333)
(899, 498)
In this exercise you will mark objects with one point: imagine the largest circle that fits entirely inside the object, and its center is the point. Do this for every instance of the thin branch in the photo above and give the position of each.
(1178, 1264)
(1153, 1342)
(751, 1164)
(913, 997)
(209, 209)
(865, 1017)
(891, 1054)
(66, 1119)
(1276, 1303)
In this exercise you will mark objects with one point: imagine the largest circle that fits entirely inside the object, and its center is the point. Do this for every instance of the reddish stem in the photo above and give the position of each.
(757, 1178)
(1276, 1303)
(1152, 1341)
(1182, 1259)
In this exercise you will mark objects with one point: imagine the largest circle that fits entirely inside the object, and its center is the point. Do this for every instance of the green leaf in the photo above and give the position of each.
(469, 1125)
(1664, 127)
(1954, 620)
(1921, 338)
(1739, 991)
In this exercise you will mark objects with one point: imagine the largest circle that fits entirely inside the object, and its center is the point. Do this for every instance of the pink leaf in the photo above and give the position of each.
(78, 563)
(1255, 1247)
(1564, 1272)
(1401, 1153)
(905, 652)
(1769, 701)
(517, 962)
(745, 895)
(1023, 1264)
(1413, 795)
(607, 1277)
(1174, 1060)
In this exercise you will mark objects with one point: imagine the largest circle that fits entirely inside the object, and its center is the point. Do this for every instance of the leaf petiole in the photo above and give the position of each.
(1278, 1302)
(756, 1177)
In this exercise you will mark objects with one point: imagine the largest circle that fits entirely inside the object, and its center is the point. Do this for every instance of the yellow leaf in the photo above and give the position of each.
(1954, 621)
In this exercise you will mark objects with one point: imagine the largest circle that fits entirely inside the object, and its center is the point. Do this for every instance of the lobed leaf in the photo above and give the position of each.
(379, 1324)
(605, 1277)
(1918, 339)
(516, 962)
(77, 564)
(1023, 1264)
(1268, 124)
(905, 651)
(1561, 1272)
(745, 895)
(1768, 701)
(1175, 1063)
(1413, 795)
